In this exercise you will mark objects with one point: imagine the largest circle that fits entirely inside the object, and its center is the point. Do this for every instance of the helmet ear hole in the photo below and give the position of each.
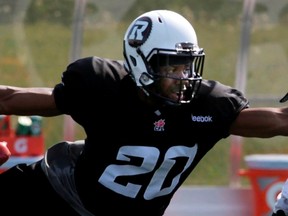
(133, 60)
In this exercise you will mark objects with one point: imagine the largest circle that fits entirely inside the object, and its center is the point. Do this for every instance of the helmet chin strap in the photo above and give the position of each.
(159, 99)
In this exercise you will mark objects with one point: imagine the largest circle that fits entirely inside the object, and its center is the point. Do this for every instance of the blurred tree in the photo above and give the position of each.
(208, 10)
(57, 11)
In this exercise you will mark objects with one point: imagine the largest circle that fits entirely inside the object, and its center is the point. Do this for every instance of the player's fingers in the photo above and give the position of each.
(284, 99)
(279, 213)
(4, 152)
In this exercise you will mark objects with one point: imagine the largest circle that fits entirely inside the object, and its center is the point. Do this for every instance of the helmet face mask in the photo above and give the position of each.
(156, 44)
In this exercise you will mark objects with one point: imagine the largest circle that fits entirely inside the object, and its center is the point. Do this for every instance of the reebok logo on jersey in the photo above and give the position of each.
(201, 118)
(159, 125)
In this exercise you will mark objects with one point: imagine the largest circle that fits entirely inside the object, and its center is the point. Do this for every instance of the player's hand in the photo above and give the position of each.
(4, 152)
(279, 213)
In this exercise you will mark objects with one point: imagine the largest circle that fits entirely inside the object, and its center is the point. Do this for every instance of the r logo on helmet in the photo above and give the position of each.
(139, 32)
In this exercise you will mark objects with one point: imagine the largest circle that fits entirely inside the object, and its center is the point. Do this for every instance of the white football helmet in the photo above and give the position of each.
(159, 38)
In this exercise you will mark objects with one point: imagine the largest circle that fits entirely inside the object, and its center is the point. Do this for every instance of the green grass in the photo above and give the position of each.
(49, 51)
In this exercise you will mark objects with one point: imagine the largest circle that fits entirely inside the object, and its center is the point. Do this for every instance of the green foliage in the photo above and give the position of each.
(208, 10)
(57, 11)
(51, 11)
(260, 8)
(283, 16)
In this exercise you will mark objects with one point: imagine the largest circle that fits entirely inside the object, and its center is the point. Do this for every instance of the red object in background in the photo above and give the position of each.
(4, 152)
(22, 148)
(5, 127)
(266, 185)
(267, 174)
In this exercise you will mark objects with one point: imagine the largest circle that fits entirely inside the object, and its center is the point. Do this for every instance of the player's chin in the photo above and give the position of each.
(176, 96)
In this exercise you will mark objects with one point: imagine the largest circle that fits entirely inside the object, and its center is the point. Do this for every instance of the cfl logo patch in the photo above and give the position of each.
(139, 32)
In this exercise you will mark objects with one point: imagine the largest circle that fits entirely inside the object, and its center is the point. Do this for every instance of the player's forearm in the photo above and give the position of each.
(27, 101)
(261, 122)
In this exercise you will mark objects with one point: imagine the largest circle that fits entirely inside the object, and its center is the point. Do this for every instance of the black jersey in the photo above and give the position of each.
(136, 156)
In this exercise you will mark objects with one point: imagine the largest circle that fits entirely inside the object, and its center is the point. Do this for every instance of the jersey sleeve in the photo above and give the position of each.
(223, 102)
(230, 96)
(86, 83)
(74, 86)
(224, 95)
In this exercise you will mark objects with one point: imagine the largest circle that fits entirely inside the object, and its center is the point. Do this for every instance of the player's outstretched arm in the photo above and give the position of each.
(27, 101)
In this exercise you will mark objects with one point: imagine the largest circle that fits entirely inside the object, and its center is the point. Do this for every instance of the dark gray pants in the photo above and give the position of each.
(25, 190)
